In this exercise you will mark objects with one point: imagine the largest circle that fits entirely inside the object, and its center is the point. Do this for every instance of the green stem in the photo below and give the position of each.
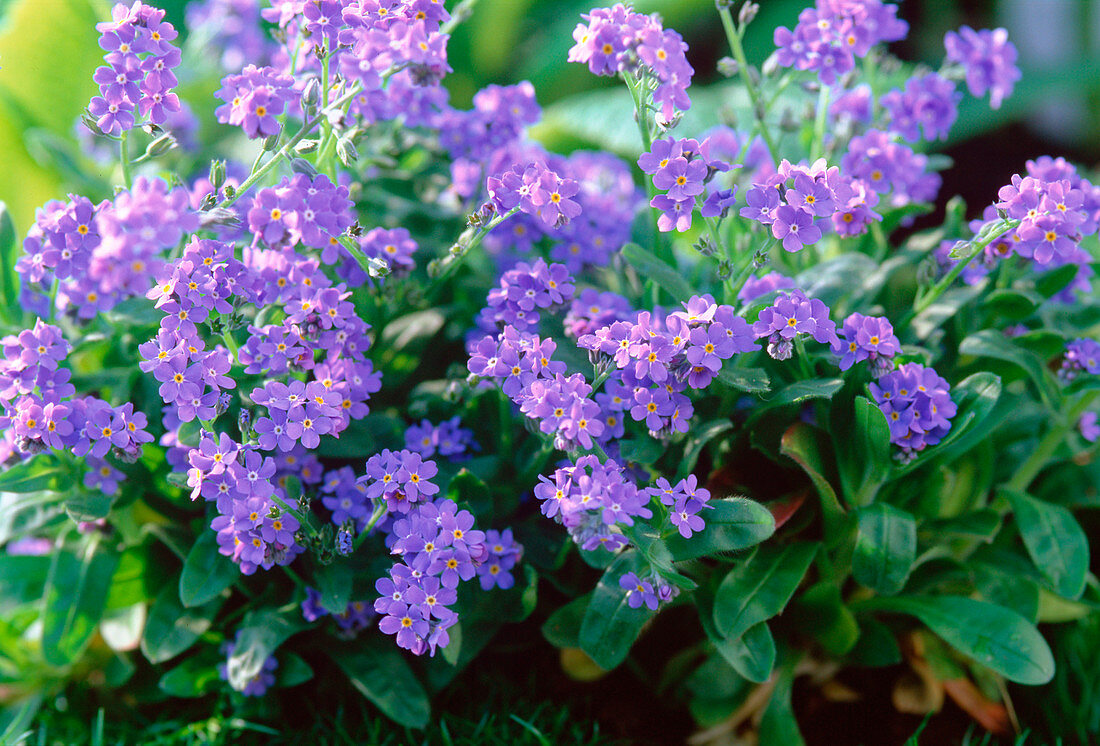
(306, 128)
(979, 244)
(475, 241)
(379, 511)
(734, 37)
(818, 149)
(231, 344)
(124, 156)
(739, 281)
(1031, 467)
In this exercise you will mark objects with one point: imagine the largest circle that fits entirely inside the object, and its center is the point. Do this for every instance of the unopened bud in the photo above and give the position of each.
(727, 67)
(311, 94)
(271, 142)
(960, 249)
(217, 174)
(230, 191)
(305, 146)
(219, 217)
(346, 151)
(161, 145)
(748, 13)
(302, 166)
(91, 123)
(377, 267)
(770, 66)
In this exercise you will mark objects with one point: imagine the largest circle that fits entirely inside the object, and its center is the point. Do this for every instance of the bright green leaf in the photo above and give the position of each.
(206, 572)
(171, 628)
(733, 524)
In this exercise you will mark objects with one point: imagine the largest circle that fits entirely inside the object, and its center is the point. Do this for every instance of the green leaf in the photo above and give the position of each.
(22, 580)
(1054, 281)
(364, 436)
(992, 635)
(334, 583)
(641, 450)
(88, 506)
(943, 308)
(697, 440)
(651, 268)
(993, 344)
(752, 654)
(610, 626)
(73, 603)
(206, 572)
(876, 647)
(261, 633)
(39, 473)
(1055, 541)
(778, 724)
(193, 678)
(865, 460)
(749, 380)
(760, 587)
(292, 671)
(800, 391)
(562, 629)
(886, 547)
(171, 628)
(733, 524)
(376, 667)
(9, 287)
(820, 613)
(1014, 305)
(802, 443)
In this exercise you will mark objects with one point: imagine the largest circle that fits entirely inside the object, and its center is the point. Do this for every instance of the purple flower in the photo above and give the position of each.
(867, 338)
(1088, 426)
(795, 228)
(681, 178)
(675, 214)
(989, 59)
(638, 591)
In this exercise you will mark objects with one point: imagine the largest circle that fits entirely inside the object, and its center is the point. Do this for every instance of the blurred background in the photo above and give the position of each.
(48, 52)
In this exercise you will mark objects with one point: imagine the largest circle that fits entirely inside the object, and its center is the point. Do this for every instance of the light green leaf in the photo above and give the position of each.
(73, 602)
(206, 572)
(652, 268)
(733, 524)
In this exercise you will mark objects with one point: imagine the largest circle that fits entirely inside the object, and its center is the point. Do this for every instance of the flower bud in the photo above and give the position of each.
(305, 146)
(302, 166)
(161, 145)
(311, 94)
(727, 67)
(271, 142)
(748, 13)
(90, 122)
(219, 217)
(217, 174)
(346, 151)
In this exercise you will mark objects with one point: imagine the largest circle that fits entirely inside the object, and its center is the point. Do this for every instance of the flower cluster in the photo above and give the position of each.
(796, 201)
(651, 591)
(400, 479)
(888, 167)
(593, 500)
(254, 99)
(790, 315)
(989, 60)
(929, 103)
(659, 358)
(300, 209)
(114, 252)
(439, 547)
(234, 27)
(831, 35)
(683, 168)
(346, 496)
(756, 287)
(523, 291)
(1052, 214)
(1089, 427)
(449, 439)
(918, 407)
(867, 338)
(40, 409)
(619, 40)
(1081, 355)
(252, 529)
(504, 553)
(138, 74)
(685, 501)
(536, 191)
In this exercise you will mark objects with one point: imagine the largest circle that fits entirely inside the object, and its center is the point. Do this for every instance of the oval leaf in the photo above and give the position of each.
(992, 635)
(1055, 541)
(206, 572)
(752, 654)
(734, 523)
(760, 587)
(171, 628)
(610, 626)
(886, 548)
(378, 670)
